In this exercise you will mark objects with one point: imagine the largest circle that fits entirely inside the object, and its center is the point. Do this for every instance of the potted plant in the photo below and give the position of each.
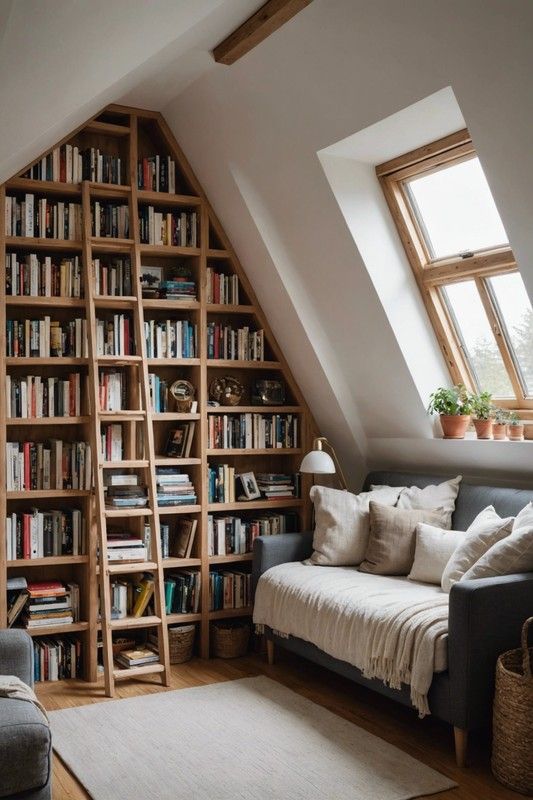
(482, 408)
(500, 417)
(515, 428)
(454, 407)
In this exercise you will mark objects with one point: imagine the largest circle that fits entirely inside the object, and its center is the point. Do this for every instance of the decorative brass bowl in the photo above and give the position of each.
(182, 392)
(227, 391)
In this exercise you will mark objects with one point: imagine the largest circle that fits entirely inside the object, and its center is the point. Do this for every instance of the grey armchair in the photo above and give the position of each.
(25, 739)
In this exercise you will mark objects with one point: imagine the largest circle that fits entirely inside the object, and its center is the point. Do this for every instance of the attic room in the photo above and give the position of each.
(267, 407)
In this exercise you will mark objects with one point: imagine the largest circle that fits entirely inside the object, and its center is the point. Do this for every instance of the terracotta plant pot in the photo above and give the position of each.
(499, 430)
(454, 425)
(483, 428)
(516, 433)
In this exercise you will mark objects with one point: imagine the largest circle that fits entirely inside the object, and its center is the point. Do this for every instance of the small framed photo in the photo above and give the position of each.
(151, 277)
(177, 441)
(249, 486)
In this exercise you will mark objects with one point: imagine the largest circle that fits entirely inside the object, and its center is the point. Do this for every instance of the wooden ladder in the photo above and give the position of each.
(133, 421)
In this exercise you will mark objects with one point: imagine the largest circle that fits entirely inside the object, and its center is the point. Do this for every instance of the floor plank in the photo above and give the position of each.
(428, 740)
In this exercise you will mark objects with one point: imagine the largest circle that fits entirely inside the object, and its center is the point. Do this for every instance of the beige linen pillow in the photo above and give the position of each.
(391, 544)
(487, 529)
(442, 496)
(341, 524)
(434, 548)
(509, 555)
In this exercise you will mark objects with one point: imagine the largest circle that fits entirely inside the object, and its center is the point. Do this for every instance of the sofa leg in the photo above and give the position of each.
(461, 743)
(270, 651)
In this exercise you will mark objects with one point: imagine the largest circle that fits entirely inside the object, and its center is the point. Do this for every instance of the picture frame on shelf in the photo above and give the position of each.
(249, 486)
(151, 277)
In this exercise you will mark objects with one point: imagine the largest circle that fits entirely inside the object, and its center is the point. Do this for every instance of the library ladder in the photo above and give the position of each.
(132, 419)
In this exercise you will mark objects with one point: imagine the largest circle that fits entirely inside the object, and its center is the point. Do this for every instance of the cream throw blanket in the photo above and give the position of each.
(388, 627)
(15, 689)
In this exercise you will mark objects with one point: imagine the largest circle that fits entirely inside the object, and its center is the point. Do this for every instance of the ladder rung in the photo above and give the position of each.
(128, 512)
(134, 622)
(118, 360)
(133, 672)
(130, 415)
(125, 464)
(132, 566)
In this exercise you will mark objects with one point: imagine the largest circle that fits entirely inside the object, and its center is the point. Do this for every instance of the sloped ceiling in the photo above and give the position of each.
(252, 133)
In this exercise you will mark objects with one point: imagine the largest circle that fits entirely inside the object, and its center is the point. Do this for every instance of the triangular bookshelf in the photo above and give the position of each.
(81, 274)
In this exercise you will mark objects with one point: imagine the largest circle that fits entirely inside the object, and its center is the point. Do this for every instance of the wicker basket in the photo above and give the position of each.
(230, 639)
(512, 746)
(181, 643)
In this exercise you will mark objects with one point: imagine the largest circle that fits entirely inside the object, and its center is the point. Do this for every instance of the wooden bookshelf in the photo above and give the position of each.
(132, 134)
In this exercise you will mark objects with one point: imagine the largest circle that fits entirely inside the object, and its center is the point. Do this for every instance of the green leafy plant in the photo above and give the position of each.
(500, 416)
(482, 405)
(513, 419)
(452, 402)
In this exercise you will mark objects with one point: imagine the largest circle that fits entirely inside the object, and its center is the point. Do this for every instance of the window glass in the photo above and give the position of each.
(456, 210)
(517, 315)
(477, 339)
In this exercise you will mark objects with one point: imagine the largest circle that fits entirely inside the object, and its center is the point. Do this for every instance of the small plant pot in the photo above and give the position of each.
(499, 430)
(483, 428)
(516, 433)
(454, 425)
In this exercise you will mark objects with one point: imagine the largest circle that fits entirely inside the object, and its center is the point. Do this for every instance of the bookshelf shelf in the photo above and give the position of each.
(134, 136)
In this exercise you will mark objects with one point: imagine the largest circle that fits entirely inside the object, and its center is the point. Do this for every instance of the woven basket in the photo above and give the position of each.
(180, 644)
(512, 746)
(230, 639)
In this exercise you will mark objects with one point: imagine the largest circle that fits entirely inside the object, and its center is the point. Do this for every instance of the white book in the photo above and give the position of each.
(29, 214)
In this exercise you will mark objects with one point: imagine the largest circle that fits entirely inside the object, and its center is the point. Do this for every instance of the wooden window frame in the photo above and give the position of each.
(432, 274)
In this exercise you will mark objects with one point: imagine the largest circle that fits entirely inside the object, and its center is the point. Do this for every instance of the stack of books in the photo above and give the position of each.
(136, 658)
(122, 546)
(277, 485)
(122, 490)
(51, 603)
(34, 277)
(177, 290)
(174, 488)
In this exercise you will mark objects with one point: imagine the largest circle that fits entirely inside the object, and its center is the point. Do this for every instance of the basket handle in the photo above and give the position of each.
(526, 661)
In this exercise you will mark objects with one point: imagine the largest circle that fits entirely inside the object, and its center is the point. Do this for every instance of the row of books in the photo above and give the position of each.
(114, 337)
(226, 342)
(260, 431)
(71, 164)
(110, 220)
(43, 218)
(231, 535)
(176, 228)
(131, 597)
(156, 174)
(111, 442)
(170, 339)
(174, 488)
(56, 659)
(221, 483)
(52, 465)
(42, 534)
(112, 277)
(41, 605)
(45, 338)
(182, 592)
(177, 540)
(222, 289)
(158, 388)
(38, 396)
(31, 276)
(111, 390)
(229, 589)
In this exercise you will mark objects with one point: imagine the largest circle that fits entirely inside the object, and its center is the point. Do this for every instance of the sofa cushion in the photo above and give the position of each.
(512, 554)
(434, 548)
(342, 524)
(438, 495)
(391, 544)
(487, 529)
(25, 747)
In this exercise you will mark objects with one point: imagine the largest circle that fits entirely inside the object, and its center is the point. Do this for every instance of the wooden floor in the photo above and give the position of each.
(428, 740)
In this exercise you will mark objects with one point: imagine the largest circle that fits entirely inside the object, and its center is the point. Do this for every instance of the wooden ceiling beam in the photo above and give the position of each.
(256, 29)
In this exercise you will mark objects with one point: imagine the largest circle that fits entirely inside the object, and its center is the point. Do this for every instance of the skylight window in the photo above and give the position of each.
(455, 210)
(459, 251)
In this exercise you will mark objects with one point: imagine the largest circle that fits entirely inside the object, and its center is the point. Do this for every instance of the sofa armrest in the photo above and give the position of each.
(486, 618)
(272, 550)
(16, 655)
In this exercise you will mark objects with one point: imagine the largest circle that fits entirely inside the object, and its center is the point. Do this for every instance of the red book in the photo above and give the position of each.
(27, 464)
(62, 166)
(26, 536)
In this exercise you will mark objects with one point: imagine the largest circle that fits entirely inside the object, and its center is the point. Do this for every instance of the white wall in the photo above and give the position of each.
(252, 133)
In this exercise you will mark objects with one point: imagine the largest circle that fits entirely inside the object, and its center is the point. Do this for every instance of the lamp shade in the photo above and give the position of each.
(318, 462)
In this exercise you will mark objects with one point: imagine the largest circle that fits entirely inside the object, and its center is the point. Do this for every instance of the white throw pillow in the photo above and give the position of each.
(434, 548)
(487, 529)
(342, 524)
(509, 555)
(442, 495)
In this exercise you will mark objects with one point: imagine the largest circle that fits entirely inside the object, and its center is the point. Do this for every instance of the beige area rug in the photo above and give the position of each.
(249, 739)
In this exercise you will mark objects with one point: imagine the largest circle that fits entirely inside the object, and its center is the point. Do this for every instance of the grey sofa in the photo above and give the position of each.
(485, 616)
(25, 740)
